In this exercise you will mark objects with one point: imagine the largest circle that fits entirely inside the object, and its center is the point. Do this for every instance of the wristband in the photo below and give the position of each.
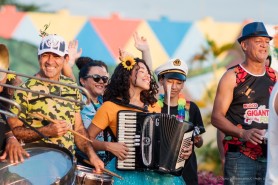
(11, 137)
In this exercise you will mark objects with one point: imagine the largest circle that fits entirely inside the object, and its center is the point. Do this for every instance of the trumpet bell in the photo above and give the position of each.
(84, 90)
(4, 60)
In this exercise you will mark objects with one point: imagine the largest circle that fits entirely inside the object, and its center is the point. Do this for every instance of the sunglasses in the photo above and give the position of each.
(97, 78)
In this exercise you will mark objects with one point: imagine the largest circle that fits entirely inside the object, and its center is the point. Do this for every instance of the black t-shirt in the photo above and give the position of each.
(189, 173)
(4, 128)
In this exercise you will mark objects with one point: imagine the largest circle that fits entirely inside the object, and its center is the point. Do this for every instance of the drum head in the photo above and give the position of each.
(47, 164)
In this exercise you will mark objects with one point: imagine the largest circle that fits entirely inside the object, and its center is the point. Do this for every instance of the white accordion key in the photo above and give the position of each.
(128, 129)
(128, 121)
(132, 160)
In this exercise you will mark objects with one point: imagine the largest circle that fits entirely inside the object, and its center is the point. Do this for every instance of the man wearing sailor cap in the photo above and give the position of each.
(172, 76)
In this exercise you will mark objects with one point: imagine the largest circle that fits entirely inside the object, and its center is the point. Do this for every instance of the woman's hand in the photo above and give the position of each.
(140, 42)
(120, 150)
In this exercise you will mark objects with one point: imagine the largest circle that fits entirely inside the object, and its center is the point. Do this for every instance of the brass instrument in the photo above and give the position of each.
(85, 91)
(4, 59)
(4, 65)
(12, 103)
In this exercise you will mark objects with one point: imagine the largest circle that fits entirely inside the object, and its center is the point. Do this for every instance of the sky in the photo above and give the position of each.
(176, 10)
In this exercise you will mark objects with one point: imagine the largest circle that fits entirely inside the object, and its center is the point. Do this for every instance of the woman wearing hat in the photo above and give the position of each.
(172, 77)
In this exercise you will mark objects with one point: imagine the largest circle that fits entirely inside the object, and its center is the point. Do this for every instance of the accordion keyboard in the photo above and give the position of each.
(127, 134)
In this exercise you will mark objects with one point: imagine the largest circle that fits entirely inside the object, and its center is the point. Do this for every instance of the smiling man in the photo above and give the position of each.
(52, 55)
(245, 88)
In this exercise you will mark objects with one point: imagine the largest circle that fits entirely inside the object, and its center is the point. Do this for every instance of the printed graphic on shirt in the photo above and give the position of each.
(255, 113)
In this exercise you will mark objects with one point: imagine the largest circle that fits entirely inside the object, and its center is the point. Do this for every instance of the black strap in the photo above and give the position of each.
(119, 102)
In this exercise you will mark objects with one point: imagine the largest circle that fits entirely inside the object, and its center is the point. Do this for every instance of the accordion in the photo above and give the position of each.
(154, 140)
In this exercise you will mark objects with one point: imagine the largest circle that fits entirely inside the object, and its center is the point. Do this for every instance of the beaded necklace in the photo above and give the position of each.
(182, 114)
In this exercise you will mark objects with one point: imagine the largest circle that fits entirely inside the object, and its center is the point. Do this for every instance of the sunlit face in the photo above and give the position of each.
(51, 65)
(95, 88)
(141, 77)
(256, 48)
(176, 86)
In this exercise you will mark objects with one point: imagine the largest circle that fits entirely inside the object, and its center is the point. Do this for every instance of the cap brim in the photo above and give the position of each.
(61, 54)
(177, 76)
(246, 37)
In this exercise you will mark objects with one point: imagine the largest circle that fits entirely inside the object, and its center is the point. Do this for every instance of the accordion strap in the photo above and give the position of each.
(119, 102)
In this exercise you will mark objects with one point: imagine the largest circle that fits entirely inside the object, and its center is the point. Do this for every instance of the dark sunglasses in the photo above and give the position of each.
(97, 78)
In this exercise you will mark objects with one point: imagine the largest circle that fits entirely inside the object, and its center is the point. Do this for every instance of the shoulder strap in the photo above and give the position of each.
(186, 111)
(119, 102)
(187, 105)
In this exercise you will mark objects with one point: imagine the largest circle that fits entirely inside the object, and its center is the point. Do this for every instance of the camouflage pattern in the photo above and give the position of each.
(54, 108)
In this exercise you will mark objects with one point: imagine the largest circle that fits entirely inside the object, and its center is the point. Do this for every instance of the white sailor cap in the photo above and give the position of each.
(174, 69)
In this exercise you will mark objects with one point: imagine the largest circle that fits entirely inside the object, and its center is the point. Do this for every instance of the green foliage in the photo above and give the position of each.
(216, 50)
(23, 56)
(209, 154)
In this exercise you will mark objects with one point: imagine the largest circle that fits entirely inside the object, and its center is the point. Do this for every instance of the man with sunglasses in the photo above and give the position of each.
(52, 54)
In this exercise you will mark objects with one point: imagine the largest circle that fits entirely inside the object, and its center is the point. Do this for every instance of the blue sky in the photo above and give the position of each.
(185, 10)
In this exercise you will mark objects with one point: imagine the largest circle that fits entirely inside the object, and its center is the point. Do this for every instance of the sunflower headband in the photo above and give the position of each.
(128, 62)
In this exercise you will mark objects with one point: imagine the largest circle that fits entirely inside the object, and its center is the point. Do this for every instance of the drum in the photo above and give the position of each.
(47, 164)
(84, 176)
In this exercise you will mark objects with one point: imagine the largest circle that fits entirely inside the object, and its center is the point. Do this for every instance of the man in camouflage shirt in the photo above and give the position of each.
(52, 54)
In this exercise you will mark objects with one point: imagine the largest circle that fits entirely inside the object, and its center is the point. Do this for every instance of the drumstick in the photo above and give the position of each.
(107, 171)
(39, 115)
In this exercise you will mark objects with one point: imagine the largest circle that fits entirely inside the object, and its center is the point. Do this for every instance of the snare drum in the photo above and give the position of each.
(47, 164)
(84, 176)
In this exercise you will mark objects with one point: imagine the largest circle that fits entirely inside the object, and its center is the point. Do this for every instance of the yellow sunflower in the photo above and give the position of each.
(128, 62)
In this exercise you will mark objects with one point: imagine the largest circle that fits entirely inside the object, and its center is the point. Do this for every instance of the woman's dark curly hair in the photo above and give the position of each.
(119, 84)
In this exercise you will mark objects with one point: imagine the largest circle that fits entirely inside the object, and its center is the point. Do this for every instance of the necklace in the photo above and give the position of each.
(182, 114)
